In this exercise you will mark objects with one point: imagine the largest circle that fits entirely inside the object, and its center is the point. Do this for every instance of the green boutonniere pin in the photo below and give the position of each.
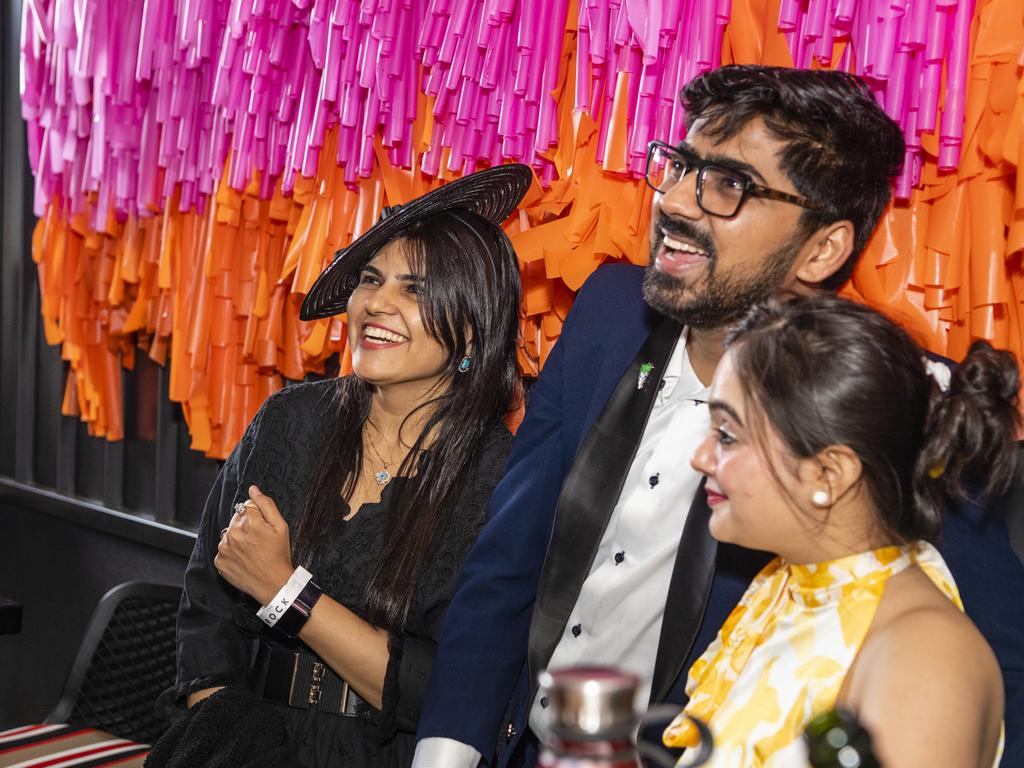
(645, 372)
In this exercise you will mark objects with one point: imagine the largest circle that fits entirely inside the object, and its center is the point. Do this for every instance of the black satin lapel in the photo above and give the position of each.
(590, 492)
(688, 595)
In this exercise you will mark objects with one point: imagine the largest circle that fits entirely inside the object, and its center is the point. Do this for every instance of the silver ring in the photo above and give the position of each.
(224, 532)
(240, 507)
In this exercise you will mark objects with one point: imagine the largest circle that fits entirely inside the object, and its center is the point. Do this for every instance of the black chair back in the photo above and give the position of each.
(126, 659)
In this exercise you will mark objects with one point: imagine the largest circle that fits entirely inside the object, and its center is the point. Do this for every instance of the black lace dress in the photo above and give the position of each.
(217, 625)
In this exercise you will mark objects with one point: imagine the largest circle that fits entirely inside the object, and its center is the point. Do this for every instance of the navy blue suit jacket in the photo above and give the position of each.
(481, 684)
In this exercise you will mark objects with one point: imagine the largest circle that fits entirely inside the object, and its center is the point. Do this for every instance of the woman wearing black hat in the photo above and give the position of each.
(330, 544)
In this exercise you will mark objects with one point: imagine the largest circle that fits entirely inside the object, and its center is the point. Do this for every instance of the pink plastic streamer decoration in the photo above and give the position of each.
(900, 47)
(117, 101)
(662, 44)
(135, 105)
(130, 102)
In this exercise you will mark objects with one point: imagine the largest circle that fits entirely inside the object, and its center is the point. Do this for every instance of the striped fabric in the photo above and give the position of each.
(67, 746)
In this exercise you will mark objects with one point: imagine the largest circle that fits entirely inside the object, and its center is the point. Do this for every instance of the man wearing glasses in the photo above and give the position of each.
(597, 550)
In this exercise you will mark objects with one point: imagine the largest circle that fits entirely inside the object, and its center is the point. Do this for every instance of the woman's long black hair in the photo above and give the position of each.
(827, 371)
(471, 290)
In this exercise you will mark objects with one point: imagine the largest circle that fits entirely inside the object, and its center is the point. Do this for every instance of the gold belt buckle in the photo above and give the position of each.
(343, 708)
(314, 686)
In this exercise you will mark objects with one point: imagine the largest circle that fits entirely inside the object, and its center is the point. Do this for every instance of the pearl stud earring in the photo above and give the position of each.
(819, 498)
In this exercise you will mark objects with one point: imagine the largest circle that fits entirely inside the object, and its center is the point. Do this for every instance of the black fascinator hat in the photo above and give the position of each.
(492, 193)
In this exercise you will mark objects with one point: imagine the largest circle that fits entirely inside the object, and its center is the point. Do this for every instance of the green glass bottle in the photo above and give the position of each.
(836, 740)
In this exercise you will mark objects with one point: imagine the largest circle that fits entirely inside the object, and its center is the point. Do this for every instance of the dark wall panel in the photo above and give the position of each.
(49, 394)
(17, 339)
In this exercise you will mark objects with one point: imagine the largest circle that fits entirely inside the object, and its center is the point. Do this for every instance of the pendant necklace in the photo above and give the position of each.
(383, 477)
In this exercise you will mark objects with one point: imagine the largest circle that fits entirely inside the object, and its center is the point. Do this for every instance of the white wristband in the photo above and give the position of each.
(283, 600)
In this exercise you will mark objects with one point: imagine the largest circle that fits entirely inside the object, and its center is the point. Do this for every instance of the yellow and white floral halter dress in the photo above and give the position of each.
(783, 653)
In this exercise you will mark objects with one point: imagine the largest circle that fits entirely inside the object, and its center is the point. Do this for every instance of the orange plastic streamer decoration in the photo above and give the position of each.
(947, 264)
(215, 290)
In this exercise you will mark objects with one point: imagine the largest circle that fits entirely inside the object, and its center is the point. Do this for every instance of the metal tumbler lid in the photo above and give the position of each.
(590, 702)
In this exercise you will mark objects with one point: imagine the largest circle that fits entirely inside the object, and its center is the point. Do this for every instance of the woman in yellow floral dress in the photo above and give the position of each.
(832, 447)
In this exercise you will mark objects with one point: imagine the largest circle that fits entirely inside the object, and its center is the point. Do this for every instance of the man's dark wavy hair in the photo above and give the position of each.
(843, 150)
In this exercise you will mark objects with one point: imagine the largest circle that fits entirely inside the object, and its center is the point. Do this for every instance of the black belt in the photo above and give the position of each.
(303, 680)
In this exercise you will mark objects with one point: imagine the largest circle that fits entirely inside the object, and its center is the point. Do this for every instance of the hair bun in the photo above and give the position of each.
(972, 427)
(987, 373)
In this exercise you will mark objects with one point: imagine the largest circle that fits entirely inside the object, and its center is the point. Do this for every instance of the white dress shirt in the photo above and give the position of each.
(617, 617)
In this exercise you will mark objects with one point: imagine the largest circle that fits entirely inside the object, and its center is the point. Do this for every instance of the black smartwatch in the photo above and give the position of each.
(295, 618)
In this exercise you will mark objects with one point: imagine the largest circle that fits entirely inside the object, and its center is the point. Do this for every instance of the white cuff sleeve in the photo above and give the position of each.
(436, 752)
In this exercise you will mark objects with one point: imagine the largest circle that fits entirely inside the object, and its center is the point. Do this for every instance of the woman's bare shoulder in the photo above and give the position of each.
(918, 628)
(926, 674)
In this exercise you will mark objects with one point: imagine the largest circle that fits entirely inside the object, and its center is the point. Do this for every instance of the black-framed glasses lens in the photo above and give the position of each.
(665, 167)
(720, 191)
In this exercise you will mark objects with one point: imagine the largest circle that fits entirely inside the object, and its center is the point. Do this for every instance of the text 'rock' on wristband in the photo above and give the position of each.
(272, 612)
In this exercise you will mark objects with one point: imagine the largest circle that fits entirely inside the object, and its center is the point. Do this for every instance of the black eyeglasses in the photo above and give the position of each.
(721, 191)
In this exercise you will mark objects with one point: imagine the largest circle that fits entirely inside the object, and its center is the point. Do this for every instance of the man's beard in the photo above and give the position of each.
(714, 300)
